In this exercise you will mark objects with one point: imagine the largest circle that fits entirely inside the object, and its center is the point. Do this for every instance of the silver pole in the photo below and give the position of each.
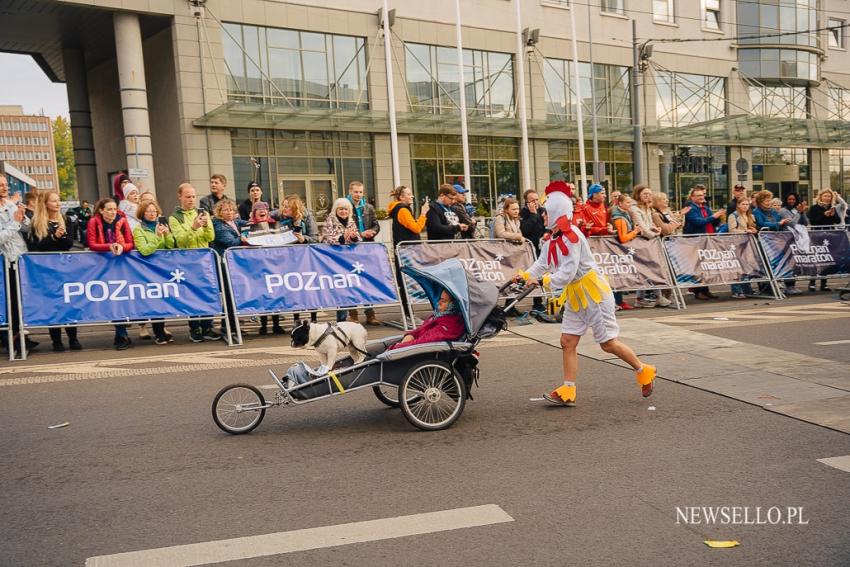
(464, 134)
(523, 120)
(637, 132)
(579, 113)
(597, 170)
(391, 94)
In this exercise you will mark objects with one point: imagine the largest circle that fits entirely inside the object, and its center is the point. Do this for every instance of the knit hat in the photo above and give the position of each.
(260, 205)
(594, 189)
(130, 188)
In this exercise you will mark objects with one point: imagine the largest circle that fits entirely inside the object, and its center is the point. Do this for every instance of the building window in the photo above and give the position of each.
(839, 171)
(316, 165)
(779, 102)
(683, 99)
(564, 163)
(611, 82)
(663, 11)
(838, 104)
(558, 3)
(433, 87)
(314, 70)
(711, 14)
(493, 163)
(613, 6)
(835, 33)
(683, 167)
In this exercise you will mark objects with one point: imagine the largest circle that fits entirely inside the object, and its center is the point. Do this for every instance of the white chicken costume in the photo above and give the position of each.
(587, 298)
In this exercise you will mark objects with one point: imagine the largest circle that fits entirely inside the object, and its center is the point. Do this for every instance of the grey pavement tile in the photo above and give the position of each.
(830, 412)
(762, 388)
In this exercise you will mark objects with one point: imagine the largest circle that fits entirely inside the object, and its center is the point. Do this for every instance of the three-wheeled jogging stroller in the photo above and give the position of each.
(430, 382)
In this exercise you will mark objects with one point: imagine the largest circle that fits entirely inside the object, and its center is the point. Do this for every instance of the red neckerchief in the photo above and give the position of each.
(556, 241)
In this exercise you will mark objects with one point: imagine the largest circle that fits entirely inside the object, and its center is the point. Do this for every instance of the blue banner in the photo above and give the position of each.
(91, 287)
(4, 297)
(309, 277)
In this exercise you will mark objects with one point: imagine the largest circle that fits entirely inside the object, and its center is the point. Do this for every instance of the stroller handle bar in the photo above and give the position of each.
(528, 289)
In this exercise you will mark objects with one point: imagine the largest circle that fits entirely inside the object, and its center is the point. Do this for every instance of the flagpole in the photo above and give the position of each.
(523, 121)
(464, 134)
(598, 174)
(391, 95)
(579, 113)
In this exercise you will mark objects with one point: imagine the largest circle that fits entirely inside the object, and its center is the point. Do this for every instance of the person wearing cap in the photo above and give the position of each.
(255, 195)
(462, 211)
(261, 219)
(218, 183)
(738, 192)
(595, 220)
(567, 263)
(442, 223)
(130, 204)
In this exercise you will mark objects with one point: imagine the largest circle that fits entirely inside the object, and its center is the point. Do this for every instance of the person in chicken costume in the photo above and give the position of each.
(587, 298)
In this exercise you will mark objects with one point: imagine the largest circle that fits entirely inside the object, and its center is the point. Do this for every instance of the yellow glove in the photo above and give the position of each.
(546, 281)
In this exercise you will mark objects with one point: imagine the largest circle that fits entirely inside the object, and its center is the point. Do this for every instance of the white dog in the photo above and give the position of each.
(328, 339)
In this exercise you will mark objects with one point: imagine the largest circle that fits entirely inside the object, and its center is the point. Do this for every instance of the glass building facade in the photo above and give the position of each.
(683, 99)
(437, 159)
(618, 157)
(610, 84)
(433, 85)
(304, 69)
(683, 167)
(316, 165)
(780, 53)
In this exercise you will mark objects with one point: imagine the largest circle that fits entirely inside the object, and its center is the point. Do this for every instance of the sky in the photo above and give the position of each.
(25, 84)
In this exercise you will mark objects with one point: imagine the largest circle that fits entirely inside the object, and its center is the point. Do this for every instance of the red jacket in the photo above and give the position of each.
(435, 330)
(96, 238)
(597, 214)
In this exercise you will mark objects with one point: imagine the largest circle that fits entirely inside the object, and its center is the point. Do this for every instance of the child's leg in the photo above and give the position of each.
(569, 344)
(622, 351)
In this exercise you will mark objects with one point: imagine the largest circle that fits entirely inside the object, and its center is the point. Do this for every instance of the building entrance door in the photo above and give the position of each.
(317, 192)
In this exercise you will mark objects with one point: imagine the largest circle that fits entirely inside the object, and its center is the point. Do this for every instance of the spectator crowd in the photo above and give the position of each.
(134, 220)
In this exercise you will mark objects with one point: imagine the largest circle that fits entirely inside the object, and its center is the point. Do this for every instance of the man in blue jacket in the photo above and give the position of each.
(701, 220)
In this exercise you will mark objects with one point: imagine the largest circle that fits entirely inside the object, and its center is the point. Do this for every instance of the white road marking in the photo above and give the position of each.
(306, 539)
(840, 463)
(830, 343)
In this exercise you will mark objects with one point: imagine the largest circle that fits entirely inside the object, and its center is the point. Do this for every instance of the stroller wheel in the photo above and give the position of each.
(387, 393)
(238, 408)
(432, 395)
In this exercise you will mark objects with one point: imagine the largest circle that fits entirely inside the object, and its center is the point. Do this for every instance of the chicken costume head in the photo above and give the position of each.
(559, 206)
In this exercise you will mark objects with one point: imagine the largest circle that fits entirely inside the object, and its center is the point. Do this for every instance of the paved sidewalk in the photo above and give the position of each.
(811, 389)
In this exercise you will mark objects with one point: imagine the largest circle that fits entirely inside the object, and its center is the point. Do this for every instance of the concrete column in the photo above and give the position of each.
(134, 98)
(76, 83)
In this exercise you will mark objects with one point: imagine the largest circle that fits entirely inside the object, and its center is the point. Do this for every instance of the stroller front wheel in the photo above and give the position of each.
(432, 395)
(238, 408)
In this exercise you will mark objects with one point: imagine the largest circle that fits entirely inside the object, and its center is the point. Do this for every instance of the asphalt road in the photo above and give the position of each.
(142, 466)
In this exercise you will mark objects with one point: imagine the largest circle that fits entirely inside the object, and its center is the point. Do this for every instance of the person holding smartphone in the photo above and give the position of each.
(150, 235)
(193, 228)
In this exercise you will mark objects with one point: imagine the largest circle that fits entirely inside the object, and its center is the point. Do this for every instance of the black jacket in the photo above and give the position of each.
(49, 243)
(437, 223)
(532, 226)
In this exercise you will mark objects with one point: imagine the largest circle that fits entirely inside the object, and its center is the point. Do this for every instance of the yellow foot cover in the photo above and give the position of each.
(565, 395)
(646, 375)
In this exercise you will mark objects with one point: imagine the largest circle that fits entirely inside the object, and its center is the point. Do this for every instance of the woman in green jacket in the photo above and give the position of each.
(152, 235)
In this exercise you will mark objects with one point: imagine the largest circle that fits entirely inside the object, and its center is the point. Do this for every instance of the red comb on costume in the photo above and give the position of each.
(559, 187)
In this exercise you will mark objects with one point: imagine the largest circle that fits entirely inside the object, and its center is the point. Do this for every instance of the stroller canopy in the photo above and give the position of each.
(475, 300)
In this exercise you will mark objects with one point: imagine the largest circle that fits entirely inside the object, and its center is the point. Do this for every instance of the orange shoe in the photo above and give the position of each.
(645, 379)
(563, 396)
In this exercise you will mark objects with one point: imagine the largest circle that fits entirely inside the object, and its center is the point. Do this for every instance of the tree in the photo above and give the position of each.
(65, 167)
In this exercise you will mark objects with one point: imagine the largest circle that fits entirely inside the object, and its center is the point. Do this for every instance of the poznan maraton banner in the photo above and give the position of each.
(306, 278)
(90, 287)
(828, 254)
(637, 264)
(495, 261)
(714, 259)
